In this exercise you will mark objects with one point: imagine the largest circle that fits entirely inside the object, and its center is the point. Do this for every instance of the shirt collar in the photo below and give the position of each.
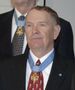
(42, 59)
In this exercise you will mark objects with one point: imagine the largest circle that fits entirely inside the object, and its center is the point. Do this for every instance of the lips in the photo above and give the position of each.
(36, 37)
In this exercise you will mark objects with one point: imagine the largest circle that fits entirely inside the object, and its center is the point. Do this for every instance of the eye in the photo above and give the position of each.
(28, 25)
(42, 24)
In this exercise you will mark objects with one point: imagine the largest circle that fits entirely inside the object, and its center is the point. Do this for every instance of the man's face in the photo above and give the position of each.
(40, 30)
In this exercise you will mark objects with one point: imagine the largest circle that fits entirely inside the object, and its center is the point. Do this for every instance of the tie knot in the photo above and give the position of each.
(21, 18)
(38, 62)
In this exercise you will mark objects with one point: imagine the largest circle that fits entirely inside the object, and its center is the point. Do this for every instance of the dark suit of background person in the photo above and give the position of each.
(6, 25)
(13, 73)
(64, 42)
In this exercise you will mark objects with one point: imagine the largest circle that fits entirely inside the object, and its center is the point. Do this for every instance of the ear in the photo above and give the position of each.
(56, 31)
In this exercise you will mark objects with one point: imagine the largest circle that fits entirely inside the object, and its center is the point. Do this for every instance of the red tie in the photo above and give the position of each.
(36, 80)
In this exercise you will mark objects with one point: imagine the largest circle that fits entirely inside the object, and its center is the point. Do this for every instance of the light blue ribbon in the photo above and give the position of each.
(19, 22)
(43, 65)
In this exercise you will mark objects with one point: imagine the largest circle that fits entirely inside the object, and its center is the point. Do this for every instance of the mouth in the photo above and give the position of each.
(36, 37)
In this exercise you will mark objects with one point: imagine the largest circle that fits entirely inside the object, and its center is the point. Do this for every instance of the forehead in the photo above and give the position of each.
(37, 14)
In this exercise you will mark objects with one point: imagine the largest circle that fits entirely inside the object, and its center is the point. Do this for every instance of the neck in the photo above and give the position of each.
(23, 10)
(40, 53)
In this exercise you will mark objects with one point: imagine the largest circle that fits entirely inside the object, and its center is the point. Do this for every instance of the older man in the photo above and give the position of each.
(8, 29)
(42, 68)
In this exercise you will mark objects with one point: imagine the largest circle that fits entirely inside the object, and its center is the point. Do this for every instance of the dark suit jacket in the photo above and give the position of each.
(13, 71)
(73, 82)
(5, 34)
(73, 79)
(64, 42)
(65, 47)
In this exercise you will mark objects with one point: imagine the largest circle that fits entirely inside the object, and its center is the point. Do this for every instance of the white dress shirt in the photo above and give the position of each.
(46, 71)
(14, 27)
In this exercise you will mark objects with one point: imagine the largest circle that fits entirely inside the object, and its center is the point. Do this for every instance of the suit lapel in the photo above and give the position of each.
(56, 75)
(9, 28)
(6, 32)
(18, 74)
(21, 75)
(22, 70)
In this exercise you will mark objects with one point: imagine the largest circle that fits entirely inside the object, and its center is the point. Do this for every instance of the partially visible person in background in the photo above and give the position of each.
(64, 43)
(42, 68)
(8, 27)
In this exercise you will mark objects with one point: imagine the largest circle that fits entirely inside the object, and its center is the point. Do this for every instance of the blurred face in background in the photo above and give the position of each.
(23, 2)
(23, 6)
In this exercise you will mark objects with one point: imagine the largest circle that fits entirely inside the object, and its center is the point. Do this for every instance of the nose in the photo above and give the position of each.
(35, 29)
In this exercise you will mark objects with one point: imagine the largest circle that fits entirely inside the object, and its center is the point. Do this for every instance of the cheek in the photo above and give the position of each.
(45, 38)
(48, 37)
(27, 35)
(51, 33)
